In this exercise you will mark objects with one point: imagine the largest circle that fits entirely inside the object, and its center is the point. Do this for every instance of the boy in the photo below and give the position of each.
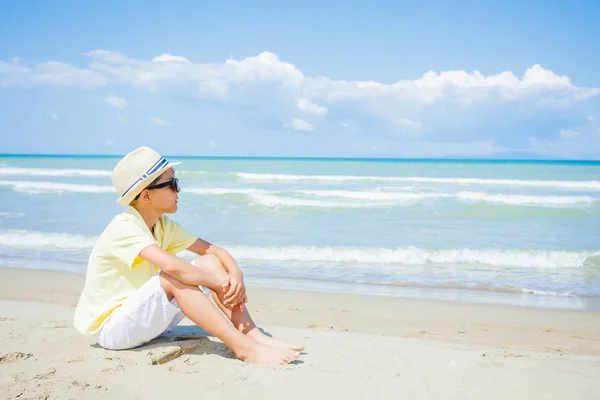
(136, 288)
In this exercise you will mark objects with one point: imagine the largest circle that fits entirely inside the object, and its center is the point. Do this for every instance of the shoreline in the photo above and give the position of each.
(379, 347)
(472, 295)
(463, 295)
(369, 314)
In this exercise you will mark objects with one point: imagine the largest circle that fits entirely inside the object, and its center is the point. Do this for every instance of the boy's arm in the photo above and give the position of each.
(180, 269)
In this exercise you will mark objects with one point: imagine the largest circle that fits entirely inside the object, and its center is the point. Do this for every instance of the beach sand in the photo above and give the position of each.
(357, 347)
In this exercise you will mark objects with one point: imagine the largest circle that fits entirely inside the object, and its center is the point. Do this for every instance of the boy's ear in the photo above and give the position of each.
(145, 195)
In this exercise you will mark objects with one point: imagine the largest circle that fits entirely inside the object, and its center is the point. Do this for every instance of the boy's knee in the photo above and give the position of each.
(209, 261)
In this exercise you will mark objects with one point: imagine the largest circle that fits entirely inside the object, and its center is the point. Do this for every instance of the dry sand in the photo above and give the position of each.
(357, 347)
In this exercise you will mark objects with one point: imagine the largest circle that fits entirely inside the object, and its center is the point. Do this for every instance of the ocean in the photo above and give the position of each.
(506, 232)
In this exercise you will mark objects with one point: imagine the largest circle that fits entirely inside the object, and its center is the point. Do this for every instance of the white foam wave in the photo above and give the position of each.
(52, 171)
(373, 195)
(547, 293)
(370, 199)
(47, 241)
(340, 255)
(35, 187)
(357, 199)
(415, 256)
(525, 200)
(582, 185)
(277, 201)
(271, 198)
(514, 199)
(224, 191)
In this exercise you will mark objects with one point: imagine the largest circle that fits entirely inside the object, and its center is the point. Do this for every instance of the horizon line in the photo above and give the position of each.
(312, 158)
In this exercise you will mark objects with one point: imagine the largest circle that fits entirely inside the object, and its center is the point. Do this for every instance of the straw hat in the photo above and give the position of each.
(137, 170)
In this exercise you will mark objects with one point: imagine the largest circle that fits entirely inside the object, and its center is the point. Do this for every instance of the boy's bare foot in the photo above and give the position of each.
(256, 335)
(266, 355)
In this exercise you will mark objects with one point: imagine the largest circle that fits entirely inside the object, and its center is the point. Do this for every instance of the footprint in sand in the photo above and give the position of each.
(55, 325)
(332, 328)
(119, 367)
(14, 357)
(47, 374)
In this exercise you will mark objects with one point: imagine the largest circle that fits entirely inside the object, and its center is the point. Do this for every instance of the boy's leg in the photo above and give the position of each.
(142, 317)
(196, 306)
(240, 319)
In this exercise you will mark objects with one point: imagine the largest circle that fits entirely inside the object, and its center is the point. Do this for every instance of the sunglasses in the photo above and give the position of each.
(173, 184)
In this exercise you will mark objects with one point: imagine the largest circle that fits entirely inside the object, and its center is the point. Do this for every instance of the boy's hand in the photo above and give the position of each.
(237, 291)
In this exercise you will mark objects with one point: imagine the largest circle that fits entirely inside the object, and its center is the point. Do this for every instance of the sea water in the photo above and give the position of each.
(515, 232)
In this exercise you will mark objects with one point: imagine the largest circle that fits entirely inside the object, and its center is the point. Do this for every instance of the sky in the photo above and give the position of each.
(427, 79)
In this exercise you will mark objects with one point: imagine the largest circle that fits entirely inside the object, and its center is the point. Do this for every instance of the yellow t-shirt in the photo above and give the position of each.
(115, 270)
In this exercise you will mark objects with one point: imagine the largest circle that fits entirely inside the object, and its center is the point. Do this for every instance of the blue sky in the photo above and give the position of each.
(384, 79)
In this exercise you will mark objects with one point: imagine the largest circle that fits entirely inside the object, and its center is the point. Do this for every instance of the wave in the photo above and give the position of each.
(550, 293)
(482, 287)
(514, 199)
(379, 199)
(341, 255)
(225, 191)
(416, 256)
(70, 172)
(382, 198)
(53, 171)
(288, 198)
(583, 185)
(517, 199)
(277, 201)
(47, 241)
(35, 187)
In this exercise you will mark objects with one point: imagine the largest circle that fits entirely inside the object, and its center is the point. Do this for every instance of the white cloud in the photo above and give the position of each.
(212, 144)
(301, 125)
(116, 101)
(158, 121)
(52, 115)
(122, 120)
(109, 142)
(178, 73)
(266, 73)
(306, 106)
(169, 58)
(50, 73)
(590, 118)
(457, 102)
(110, 56)
(568, 133)
(171, 72)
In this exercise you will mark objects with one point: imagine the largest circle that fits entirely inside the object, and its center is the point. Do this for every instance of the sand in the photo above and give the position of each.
(357, 347)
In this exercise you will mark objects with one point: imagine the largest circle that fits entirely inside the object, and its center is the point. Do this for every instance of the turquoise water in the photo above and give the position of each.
(518, 232)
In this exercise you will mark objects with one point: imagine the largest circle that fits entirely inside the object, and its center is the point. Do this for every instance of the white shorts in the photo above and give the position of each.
(144, 315)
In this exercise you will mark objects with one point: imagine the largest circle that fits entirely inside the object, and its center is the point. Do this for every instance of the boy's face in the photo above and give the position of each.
(164, 199)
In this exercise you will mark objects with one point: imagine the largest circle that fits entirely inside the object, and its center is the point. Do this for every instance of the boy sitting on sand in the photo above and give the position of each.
(136, 288)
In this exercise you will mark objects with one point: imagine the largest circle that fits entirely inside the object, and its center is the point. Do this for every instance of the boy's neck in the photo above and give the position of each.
(150, 216)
